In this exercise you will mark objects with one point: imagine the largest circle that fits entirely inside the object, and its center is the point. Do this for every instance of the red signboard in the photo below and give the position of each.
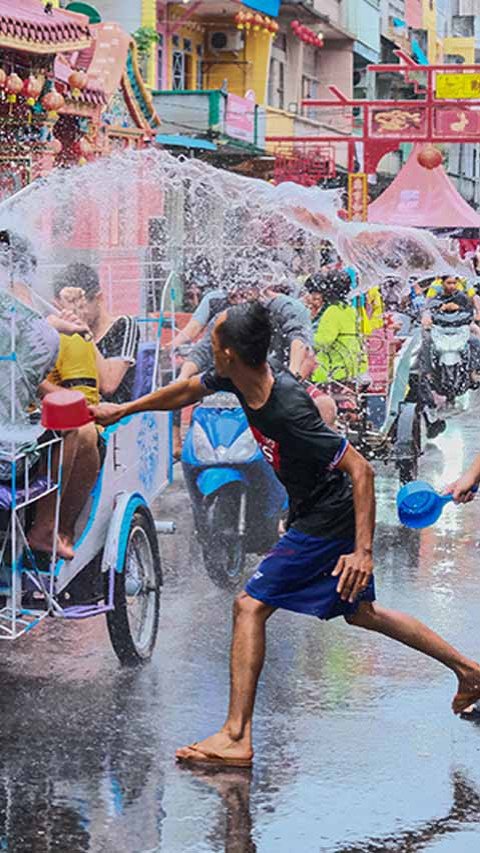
(445, 108)
(392, 121)
(456, 121)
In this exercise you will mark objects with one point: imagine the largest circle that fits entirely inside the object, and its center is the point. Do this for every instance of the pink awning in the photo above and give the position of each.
(425, 198)
(104, 61)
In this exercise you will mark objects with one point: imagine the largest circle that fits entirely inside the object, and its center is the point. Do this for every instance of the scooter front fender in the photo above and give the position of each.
(212, 479)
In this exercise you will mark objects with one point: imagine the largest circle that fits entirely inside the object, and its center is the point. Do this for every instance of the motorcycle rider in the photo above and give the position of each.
(448, 301)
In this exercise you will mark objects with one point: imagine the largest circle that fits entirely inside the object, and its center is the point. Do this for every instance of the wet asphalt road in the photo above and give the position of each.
(357, 749)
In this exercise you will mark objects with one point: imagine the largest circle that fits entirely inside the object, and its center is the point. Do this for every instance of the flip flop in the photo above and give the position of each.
(473, 715)
(463, 700)
(207, 757)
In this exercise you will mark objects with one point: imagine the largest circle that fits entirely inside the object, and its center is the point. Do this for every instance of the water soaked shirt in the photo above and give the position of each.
(290, 321)
(36, 346)
(305, 454)
(212, 303)
(120, 342)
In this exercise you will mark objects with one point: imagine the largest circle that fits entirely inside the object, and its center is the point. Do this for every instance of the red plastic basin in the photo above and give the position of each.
(65, 410)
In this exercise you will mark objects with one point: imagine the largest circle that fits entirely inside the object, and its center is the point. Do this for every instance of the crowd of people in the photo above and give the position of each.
(319, 328)
(259, 339)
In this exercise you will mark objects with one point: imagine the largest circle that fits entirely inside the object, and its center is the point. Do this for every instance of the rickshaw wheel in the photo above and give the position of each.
(133, 624)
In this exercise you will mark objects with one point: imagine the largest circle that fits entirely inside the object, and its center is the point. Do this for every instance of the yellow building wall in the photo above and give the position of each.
(252, 74)
(197, 39)
(434, 44)
(247, 70)
(149, 19)
(454, 46)
(279, 123)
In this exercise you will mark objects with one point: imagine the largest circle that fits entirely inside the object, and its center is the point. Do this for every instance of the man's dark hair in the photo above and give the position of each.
(247, 330)
(78, 275)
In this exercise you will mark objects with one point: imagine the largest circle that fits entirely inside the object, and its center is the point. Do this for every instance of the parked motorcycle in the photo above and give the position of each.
(236, 497)
(451, 353)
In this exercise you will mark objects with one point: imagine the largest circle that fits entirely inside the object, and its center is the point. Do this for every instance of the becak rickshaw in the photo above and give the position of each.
(115, 570)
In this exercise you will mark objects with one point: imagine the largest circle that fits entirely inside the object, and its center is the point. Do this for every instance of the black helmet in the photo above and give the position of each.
(334, 285)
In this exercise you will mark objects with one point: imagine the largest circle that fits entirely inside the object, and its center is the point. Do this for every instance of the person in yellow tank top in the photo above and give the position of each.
(76, 368)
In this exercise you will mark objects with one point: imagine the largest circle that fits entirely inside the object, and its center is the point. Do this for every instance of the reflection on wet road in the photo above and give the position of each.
(357, 749)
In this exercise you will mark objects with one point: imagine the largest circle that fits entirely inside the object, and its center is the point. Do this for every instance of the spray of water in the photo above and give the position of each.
(139, 215)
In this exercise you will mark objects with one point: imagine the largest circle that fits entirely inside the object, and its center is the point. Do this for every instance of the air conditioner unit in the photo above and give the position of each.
(225, 40)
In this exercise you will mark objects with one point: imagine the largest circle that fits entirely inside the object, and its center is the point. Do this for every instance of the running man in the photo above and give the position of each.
(323, 565)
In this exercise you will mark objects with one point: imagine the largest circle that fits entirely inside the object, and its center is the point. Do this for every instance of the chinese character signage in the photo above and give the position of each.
(457, 122)
(461, 86)
(393, 121)
(357, 197)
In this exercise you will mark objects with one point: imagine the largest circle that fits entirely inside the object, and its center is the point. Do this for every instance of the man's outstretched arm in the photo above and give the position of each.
(174, 396)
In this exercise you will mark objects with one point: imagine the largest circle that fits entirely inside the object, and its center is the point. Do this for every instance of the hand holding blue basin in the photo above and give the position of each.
(419, 505)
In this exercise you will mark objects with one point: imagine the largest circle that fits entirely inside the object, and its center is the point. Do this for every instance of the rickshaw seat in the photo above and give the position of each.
(36, 488)
(144, 369)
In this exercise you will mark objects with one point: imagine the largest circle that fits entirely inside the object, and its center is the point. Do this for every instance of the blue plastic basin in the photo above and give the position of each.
(419, 505)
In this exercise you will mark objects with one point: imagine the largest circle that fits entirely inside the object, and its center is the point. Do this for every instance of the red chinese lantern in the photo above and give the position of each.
(274, 27)
(295, 25)
(257, 22)
(248, 20)
(32, 89)
(430, 157)
(13, 87)
(77, 82)
(240, 20)
(3, 78)
(56, 146)
(52, 102)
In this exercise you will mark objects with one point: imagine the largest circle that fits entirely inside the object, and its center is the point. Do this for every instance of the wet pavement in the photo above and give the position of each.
(357, 749)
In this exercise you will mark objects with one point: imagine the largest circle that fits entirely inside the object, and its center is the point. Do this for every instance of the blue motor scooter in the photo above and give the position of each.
(236, 497)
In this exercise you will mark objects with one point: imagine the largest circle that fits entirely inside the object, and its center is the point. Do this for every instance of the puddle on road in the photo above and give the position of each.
(357, 749)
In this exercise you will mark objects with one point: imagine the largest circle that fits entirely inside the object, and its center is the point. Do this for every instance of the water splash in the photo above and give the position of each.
(138, 215)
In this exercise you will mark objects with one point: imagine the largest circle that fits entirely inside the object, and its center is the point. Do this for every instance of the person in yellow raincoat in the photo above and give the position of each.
(338, 344)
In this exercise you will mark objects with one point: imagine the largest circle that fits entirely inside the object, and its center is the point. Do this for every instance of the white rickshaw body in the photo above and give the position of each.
(115, 546)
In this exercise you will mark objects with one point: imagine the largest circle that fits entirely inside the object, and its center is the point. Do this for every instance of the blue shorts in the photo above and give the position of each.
(297, 575)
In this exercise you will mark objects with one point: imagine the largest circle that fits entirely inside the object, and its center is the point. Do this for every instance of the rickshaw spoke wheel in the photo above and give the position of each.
(133, 625)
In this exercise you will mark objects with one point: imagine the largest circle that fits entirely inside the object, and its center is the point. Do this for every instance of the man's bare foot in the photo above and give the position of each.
(219, 749)
(42, 540)
(468, 690)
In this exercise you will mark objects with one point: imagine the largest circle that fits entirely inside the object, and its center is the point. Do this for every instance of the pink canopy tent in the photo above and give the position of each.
(425, 198)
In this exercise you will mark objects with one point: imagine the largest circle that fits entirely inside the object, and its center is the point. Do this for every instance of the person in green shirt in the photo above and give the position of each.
(338, 345)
